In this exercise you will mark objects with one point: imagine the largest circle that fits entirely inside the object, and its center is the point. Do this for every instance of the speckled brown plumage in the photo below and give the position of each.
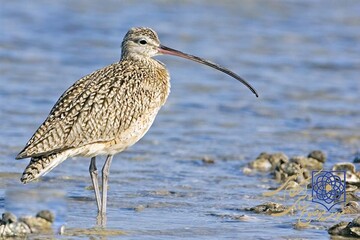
(99, 108)
(36, 165)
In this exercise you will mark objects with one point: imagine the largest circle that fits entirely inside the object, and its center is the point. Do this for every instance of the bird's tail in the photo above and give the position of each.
(41, 165)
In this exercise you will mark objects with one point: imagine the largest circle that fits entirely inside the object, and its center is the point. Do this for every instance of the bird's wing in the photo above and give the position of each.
(95, 109)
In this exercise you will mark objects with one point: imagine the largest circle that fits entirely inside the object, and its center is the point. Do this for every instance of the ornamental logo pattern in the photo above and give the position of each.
(328, 188)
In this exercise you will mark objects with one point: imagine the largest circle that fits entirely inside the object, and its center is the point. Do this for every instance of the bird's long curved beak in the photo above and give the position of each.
(166, 50)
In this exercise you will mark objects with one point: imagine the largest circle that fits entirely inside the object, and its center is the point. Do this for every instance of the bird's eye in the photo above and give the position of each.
(143, 42)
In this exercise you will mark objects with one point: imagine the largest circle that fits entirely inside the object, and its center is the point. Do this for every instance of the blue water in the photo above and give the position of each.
(301, 56)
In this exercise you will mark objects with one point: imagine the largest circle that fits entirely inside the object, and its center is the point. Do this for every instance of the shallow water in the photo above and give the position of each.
(301, 56)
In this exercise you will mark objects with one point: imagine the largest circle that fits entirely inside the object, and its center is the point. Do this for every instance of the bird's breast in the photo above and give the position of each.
(144, 95)
(133, 134)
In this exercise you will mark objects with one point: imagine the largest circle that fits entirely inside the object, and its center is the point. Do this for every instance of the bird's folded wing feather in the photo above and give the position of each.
(97, 108)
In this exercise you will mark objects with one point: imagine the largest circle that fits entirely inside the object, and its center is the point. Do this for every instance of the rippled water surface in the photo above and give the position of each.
(301, 56)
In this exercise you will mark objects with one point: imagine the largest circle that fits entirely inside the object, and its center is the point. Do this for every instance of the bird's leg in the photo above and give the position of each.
(94, 178)
(105, 177)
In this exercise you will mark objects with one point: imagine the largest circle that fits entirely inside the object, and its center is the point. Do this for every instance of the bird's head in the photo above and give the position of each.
(144, 43)
(140, 41)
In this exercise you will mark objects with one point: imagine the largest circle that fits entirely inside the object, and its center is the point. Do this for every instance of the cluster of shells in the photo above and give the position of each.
(283, 167)
(296, 171)
(11, 226)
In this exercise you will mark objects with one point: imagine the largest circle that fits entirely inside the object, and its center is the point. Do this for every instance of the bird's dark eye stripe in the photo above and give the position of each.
(142, 41)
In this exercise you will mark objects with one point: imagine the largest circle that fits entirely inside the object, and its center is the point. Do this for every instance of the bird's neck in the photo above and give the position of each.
(134, 56)
(157, 77)
(142, 60)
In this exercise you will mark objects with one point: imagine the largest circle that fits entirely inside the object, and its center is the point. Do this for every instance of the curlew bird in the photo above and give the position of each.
(107, 111)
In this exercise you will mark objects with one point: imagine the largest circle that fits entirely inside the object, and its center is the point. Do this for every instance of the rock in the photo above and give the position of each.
(344, 166)
(301, 226)
(354, 227)
(47, 215)
(266, 161)
(292, 185)
(162, 192)
(277, 158)
(261, 164)
(37, 224)
(280, 176)
(264, 155)
(289, 169)
(237, 217)
(351, 175)
(8, 217)
(14, 229)
(208, 160)
(275, 161)
(355, 231)
(351, 193)
(351, 229)
(338, 229)
(247, 171)
(307, 162)
(355, 222)
(318, 155)
(351, 188)
(139, 208)
(270, 208)
(10, 226)
(351, 207)
(351, 196)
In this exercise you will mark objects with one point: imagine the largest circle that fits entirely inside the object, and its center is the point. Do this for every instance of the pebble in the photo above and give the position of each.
(10, 226)
(139, 208)
(37, 224)
(282, 167)
(351, 188)
(318, 155)
(278, 158)
(208, 160)
(8, 217)
(238, 217)
(266, 161)
(301, 226)
(349, 167)
(270, 208)
(286, 170)
(351, 196)
(351, 207)
(261, 164)
(352, 176)
(351, 229)
(338, 229)
(47, 215)
(14, 229)
(308, 162)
